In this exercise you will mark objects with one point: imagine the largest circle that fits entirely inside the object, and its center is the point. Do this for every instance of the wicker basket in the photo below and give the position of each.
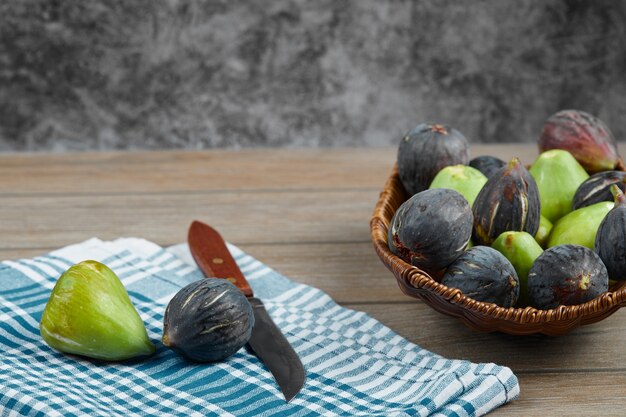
(486, 317)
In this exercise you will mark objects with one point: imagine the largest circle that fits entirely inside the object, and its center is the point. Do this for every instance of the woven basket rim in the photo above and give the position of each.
(418, 283)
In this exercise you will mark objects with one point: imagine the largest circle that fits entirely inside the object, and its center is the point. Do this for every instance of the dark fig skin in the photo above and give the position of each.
(610, 244)
(431, 229)
(425, 150)
(585, 136)
(487, 164)
(208, 320)
(597, 188)
(484, 274)
(566, 275)
(509, 201)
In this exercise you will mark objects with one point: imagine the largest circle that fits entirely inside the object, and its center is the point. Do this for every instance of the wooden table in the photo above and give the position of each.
(306, 213)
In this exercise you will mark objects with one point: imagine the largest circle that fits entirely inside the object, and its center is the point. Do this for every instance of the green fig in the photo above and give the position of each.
(545, 227)
(466, 180)
(89, 313)
(580, 226)
(521, 249)
(558, 175)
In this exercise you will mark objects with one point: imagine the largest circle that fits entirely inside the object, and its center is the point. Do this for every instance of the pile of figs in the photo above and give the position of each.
(549, 233)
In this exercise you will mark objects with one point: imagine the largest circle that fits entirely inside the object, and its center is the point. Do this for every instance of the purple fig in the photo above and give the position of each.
(610, 244)
(509, 201)
(484, 274)
(585, 136)
(566, 275)
(425, 150)
(431, 229)
(597, 188)
(487, 164)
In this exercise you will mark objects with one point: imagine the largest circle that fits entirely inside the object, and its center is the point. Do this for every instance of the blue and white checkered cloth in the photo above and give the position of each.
(354, 365)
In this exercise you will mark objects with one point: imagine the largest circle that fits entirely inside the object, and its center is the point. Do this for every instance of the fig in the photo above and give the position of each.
(89, 313)
(521, 250)
(208, 320)
(508, 201)
(610, 243)
(558, 175)
(566, 275)
(431, 229)
(543, 233)
(462, 178)
(580, 226)
(597, 188)
(487, 164)
(484, 274)
(585, 136)
(425, 150)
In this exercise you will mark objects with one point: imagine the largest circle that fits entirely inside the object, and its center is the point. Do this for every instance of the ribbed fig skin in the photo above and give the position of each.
(585, 136)
(566, 275)
(487, 164)
(597, 188)
(484, 274)
(425, 150)
(208, 320)
(610, 244)
(431, 229)
(509, 201)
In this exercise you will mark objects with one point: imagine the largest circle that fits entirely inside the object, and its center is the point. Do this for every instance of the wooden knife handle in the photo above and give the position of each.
(213, 257)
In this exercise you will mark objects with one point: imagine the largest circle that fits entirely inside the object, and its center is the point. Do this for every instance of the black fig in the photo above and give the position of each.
(208, 320)
(566, 275)
(509, 201)
(431, 229)
(425, 150)
(484, 274)
(597, 188)
(610, 244)
(487, 164)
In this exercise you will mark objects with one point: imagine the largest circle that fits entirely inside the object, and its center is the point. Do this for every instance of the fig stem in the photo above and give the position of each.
(618, 195)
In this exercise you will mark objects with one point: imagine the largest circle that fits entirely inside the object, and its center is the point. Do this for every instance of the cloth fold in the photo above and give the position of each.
(355, 365)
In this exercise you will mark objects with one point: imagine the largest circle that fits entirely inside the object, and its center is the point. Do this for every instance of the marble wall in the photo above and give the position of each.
(154, 74)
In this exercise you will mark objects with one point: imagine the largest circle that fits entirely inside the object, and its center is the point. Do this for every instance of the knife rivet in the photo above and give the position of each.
(218, 261)
(231, 279)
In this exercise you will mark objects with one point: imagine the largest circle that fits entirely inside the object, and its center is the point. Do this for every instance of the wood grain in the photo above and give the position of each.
(306, 214)
(183, 171)
(573, 395)
(241, 217)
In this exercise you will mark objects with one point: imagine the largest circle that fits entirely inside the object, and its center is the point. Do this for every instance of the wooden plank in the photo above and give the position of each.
(149, 172)
(164, 172)
(592, 347)
(283, 217)
(568, 394)
(13, 254)
(348, 272)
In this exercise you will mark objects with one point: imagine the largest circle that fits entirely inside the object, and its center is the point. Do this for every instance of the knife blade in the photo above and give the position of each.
(267, 341)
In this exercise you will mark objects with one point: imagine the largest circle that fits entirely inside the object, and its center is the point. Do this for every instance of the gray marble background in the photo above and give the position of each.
(155, 74)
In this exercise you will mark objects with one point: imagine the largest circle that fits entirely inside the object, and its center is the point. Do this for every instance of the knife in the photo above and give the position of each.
(267, 342)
